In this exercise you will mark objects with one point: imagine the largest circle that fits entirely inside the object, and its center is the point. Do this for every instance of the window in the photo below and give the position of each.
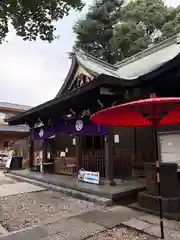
(95, 142)
(98, 142)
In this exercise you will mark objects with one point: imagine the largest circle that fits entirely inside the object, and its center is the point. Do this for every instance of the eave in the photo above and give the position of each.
(63, 102)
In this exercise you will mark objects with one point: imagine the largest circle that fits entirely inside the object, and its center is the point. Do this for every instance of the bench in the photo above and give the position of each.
(65, 165)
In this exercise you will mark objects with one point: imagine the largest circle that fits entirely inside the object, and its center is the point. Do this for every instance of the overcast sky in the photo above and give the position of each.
(32, 72)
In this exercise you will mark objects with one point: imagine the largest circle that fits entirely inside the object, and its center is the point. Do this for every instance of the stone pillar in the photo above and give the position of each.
(78, 153)
(109, 145)
(31, 148)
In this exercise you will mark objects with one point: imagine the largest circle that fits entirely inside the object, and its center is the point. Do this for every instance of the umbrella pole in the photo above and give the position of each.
(158, 184)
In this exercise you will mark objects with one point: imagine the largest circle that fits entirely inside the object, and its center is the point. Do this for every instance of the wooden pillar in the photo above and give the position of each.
(31, 148)
(134, 166)
(45, 152)
(135, 146)
(109, 145)
(78, 153)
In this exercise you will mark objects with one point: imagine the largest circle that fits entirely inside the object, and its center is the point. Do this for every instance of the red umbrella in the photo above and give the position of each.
(147, 112)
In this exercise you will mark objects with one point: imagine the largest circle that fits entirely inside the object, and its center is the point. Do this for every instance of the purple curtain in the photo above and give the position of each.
(74, 127)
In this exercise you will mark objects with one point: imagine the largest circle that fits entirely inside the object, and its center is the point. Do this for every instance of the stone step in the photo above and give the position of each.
(74, 193)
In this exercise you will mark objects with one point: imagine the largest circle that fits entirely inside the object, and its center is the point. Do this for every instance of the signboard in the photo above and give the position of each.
(89, 177)
(8, 163)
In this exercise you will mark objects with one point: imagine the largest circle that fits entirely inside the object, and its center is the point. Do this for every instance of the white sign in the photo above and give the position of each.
(116, 138)
(8, 163)
(89, 177)
(79, 125)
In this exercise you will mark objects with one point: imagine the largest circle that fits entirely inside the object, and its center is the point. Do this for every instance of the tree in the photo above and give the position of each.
(134, 27)
(95, 32)
(34, 18)
(144, 22)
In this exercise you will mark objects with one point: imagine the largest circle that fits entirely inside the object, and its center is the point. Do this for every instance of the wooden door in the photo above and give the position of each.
(93, 154)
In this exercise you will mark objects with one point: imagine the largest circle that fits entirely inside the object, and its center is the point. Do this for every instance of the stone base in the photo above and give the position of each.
(108, 182)
(170, 216)
(149, 203)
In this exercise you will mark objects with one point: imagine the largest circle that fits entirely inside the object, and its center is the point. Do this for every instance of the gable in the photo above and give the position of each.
(76, 77)
(81, 77)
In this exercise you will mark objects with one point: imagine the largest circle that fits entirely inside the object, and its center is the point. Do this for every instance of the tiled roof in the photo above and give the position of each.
(14, 106)
(18, 128)
(95, 66)
(135, 66)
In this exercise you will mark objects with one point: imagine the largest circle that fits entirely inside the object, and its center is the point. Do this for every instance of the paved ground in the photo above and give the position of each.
(30, 212)
(29, 209)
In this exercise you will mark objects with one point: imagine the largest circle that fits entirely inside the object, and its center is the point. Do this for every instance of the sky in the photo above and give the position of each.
(32, 72)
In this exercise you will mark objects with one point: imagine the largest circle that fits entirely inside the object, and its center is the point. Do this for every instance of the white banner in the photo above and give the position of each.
(89, 177)
(8, 163)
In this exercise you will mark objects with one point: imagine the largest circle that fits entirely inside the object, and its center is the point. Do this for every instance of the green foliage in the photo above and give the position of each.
(34, 18)
(95, 31)
(129, 29)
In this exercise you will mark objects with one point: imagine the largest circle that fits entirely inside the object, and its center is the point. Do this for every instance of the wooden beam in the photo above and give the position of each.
(109, 146)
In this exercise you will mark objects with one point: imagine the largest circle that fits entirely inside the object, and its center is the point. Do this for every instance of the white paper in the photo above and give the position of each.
(169, 143)
(74, 141)
(66, 150)
(62, 154)
(49, 155)
(116, 138)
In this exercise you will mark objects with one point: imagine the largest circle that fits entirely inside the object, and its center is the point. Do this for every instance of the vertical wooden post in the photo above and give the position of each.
(31, 148)
(45, 152)
(134, 169)
(135, 146)
(78, 153)
(109, 145)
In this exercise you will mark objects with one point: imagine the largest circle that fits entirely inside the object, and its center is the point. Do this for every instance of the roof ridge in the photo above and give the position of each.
(102, 62)
(148, 51)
